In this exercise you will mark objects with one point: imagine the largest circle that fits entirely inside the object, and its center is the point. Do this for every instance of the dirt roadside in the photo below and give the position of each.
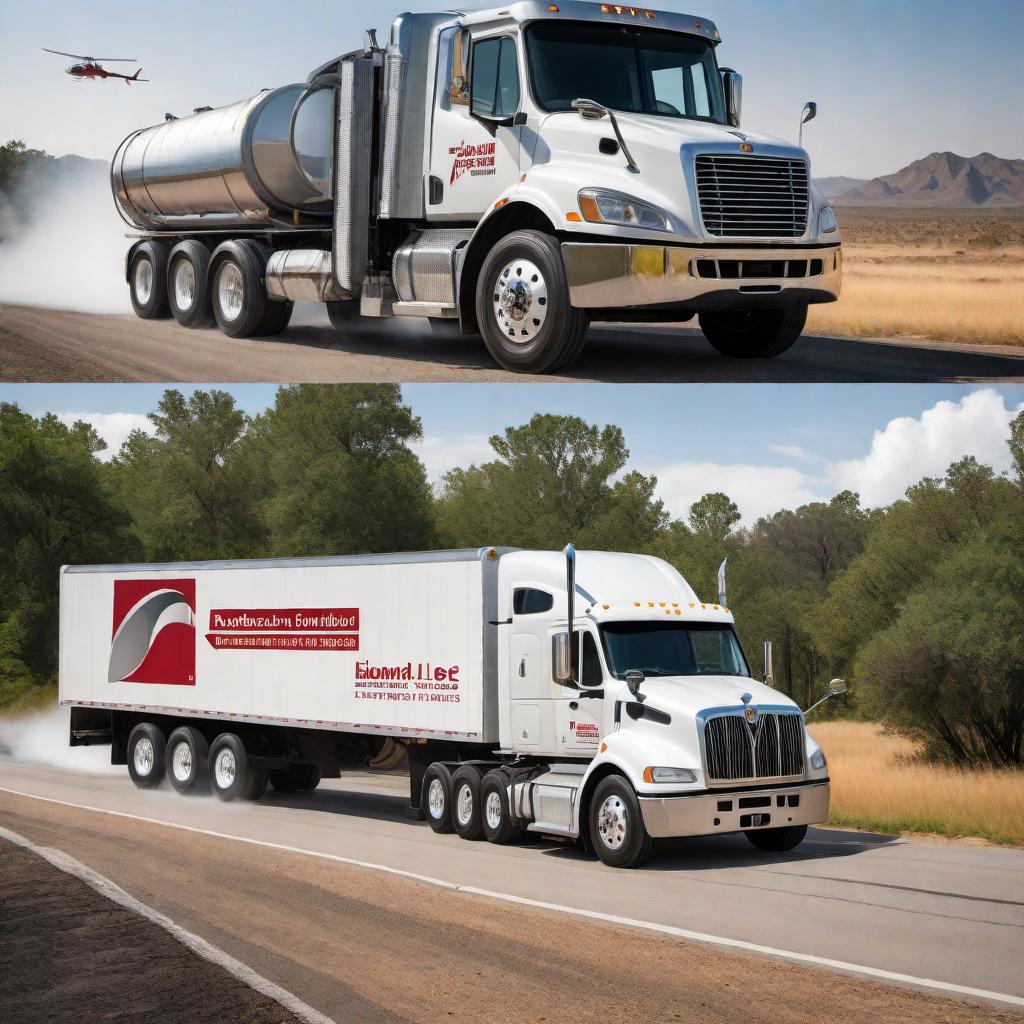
(361, 946)
(70, 954)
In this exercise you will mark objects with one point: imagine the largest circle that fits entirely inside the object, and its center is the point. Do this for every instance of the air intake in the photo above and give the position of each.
(773, 748)
(752, 196)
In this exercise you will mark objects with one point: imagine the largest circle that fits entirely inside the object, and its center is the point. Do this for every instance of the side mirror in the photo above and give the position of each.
(809, 113)
(835, 689)
(634, 679)
(769, 673)
(732, 81)
(458, 88)
(589, 110)
(563, 659)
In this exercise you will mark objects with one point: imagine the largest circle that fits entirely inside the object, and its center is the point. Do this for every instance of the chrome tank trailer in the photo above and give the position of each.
(265, 161)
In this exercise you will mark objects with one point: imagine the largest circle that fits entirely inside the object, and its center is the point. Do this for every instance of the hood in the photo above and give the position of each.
(687, 696)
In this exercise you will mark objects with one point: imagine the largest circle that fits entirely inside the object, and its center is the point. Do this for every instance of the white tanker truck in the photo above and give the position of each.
(522, 171)
(645, 724)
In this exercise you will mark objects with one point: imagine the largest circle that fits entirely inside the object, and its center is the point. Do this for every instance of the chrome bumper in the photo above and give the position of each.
(706, 813)
(619, 276)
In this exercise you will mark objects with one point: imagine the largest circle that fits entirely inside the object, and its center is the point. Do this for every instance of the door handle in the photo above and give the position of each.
(574, 705)
(522, 669)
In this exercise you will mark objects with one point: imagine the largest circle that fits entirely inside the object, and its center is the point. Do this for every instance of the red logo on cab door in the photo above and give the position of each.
(154, 634)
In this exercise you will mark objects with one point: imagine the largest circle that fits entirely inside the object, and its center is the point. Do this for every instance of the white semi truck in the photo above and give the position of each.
(522, 170)
(647, 724)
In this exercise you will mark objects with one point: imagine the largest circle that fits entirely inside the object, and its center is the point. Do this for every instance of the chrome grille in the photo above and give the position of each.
(752, 196)
(773, 748)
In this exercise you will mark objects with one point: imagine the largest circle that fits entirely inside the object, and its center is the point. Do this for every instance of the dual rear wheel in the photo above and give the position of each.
(471, 802)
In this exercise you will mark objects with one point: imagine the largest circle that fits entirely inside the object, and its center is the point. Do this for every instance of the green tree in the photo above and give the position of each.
(191, 489)
(56, 508)
(949, 671)
(339, 474)
(553, 482)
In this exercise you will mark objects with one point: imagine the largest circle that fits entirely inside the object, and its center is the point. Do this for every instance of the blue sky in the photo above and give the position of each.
(894, 79)
(768, 447)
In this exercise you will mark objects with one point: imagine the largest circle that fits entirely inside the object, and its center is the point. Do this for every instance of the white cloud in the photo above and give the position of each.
(794, 451)
(113, 427)
(440, 454)
(908, 449)
(757, 490)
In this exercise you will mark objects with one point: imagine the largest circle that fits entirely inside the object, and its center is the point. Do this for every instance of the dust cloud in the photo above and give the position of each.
(62, 243)
(42, 738)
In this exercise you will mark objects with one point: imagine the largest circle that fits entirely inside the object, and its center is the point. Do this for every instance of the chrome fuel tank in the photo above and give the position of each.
(255, 163)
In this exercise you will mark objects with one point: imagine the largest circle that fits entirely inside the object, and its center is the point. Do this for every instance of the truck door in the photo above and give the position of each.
(529, 670)
(474, 149)
(579, 713)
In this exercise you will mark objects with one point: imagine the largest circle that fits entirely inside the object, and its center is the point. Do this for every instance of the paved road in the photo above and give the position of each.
(47, 345)
(946, 912)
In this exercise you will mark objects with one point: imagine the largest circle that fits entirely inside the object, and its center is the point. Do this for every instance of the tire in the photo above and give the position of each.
(436, 800)
(188, 284)
(522, 305)
(496, 817)
(777, 840)
(617, 831)
(343, 315)
(232, 773)
(296, 778)
(147, 281)
(146, 755)
(755, 334)
(239, 293)
(466, 817)
(187, 757)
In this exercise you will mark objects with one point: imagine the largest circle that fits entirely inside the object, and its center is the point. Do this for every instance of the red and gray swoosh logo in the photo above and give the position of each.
(155, 641)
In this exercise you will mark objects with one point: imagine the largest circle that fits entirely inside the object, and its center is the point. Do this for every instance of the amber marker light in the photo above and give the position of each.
(574, 217)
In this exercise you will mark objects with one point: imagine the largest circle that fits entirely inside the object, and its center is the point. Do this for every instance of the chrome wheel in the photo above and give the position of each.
(230, 291)
(492, 810)
(144, 757)
(181, 762)
(143, 281)
(521, 301)
(464, 804)
(612, 822)
(184, 285)
(435, 799)
(224, 769)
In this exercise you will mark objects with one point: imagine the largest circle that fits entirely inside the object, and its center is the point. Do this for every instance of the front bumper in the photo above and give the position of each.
(711, 812)
(624, 276)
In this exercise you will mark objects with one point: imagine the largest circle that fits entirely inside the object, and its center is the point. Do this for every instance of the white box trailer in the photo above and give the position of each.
(522, 170)
(232, 675)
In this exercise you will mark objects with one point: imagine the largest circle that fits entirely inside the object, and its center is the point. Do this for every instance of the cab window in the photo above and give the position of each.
(588, 664)
(495, 78)
(527, 601)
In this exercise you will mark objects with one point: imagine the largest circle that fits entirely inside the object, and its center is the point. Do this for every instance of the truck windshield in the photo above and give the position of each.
(640, 71)
(673, 649)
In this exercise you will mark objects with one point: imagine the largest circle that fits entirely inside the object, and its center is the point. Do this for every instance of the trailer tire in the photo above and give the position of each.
(147, 281)
(188, 284)
(187, 756)
(499, 824)
(755, 333)
(233, 776)
(466, 816)
(238, 289)
(523, 308)
(777, 840)
(436, 800)
(617, 831)
(146, 750)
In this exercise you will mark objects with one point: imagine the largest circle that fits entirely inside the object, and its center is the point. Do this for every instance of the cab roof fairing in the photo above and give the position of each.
(577, 10)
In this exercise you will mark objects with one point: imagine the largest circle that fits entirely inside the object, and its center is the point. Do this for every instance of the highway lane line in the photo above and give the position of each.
(593, 915)
(108, 889)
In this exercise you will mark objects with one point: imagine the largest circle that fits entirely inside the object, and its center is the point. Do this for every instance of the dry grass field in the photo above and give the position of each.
(878, 783)
(945, 275)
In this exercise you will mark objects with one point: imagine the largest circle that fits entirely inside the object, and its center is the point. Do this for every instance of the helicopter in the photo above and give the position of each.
(90, 68)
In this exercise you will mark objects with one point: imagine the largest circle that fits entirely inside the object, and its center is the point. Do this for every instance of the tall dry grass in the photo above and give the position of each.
(946, 275)
(879, 783)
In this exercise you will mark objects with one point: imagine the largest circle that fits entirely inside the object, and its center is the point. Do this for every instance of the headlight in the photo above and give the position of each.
(827, 222)
(818, 760)
(599, 207)
(669, 775)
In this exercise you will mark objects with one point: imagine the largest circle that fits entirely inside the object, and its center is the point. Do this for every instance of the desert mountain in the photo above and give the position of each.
(945, 179)
(834, 187)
